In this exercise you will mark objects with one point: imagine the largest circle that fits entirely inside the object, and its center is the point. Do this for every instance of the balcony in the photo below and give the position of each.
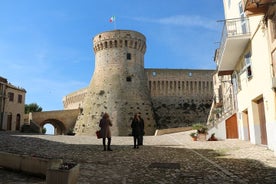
(235, 37)
(253, 7)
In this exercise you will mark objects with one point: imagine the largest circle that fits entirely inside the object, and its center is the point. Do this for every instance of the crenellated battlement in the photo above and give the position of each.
(119, 39)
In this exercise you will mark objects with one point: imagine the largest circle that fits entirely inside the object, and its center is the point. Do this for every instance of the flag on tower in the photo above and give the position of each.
(112, 19)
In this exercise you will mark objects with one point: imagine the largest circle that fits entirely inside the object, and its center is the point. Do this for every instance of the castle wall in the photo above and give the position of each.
(74, 100)
(180, 97)
(121, 86)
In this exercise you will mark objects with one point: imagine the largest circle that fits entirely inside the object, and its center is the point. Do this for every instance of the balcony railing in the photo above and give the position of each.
(235, 35)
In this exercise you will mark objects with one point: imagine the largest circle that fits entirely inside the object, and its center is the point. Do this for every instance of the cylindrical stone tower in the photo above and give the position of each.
(119, 84)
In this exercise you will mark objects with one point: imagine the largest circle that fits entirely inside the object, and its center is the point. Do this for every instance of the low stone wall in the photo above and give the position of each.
(28, 164)
(171, 130)
(41, 167)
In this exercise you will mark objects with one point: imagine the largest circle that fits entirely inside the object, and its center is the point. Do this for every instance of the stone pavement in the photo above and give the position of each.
(166, 159)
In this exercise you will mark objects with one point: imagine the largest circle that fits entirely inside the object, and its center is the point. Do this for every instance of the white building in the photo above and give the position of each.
(244, 105)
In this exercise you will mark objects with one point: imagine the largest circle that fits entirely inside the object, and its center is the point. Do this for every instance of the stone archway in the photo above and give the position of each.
(57, 124)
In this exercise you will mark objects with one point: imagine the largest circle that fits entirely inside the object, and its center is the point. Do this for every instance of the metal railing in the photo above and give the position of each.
(232, 28)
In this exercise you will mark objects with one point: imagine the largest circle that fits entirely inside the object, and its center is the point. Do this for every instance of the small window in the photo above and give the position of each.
(154, 73)
(11, 96)
(128, 56)
(249, 72)
(247, 64)
(128, 79)
(190, 74)
(19, 99)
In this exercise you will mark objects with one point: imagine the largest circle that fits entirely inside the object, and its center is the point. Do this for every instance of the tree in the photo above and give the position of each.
(32, 107)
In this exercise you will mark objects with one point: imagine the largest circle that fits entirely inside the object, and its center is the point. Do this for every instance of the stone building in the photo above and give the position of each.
(12, 106)
(121, 86)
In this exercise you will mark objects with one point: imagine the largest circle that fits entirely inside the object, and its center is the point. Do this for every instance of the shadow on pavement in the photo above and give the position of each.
(148, 164)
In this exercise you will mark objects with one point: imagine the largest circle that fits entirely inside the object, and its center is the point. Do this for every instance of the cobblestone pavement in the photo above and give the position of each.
(171, 158)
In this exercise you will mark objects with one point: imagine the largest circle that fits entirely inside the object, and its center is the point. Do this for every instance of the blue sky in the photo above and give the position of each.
(46, 46)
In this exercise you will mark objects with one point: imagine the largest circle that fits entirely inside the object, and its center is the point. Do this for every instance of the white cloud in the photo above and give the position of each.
(182, 20)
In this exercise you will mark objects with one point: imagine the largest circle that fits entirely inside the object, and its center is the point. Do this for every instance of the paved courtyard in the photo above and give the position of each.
(166, 159)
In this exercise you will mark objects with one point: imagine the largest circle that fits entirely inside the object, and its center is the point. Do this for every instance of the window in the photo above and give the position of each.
(243, 20)
(128, 56)
(11, 96)
(235, 82)
(190, 74)
(154, 73)
(19, 100)
(128, 79)
(247, 64)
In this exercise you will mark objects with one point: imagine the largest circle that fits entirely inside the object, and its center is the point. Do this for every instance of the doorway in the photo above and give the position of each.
(232, 127)
(261, 113)
(246, 125)
(9, 122)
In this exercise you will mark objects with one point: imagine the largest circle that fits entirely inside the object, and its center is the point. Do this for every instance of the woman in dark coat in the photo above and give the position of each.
(136, 130)
(105, 124)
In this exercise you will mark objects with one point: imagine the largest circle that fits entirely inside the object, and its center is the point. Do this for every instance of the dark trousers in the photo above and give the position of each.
(140, 140)
(136, 141)
(108, 144)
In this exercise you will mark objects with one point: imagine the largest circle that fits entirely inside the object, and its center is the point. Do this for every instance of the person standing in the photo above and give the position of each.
(140, 139)
(105, 124)
(136, 130)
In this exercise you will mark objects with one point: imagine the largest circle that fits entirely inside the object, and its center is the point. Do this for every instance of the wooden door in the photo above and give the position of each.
(262, 121)
(232, 127)
(9, 122)
(18, 122)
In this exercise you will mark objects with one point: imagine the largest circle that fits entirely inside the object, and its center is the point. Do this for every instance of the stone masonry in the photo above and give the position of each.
(121, 86)
(118, 85)
(180, 97)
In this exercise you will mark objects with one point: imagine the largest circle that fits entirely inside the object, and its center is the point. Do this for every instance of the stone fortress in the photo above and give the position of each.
(121, 86)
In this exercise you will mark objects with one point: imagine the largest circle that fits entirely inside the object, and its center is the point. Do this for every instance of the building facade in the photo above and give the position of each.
(244, 104)
(12, 106)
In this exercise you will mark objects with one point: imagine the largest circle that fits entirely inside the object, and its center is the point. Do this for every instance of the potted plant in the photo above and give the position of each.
(194, 136)
(201, 130)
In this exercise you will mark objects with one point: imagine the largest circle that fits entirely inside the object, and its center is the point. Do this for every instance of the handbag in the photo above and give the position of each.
(98, 134)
